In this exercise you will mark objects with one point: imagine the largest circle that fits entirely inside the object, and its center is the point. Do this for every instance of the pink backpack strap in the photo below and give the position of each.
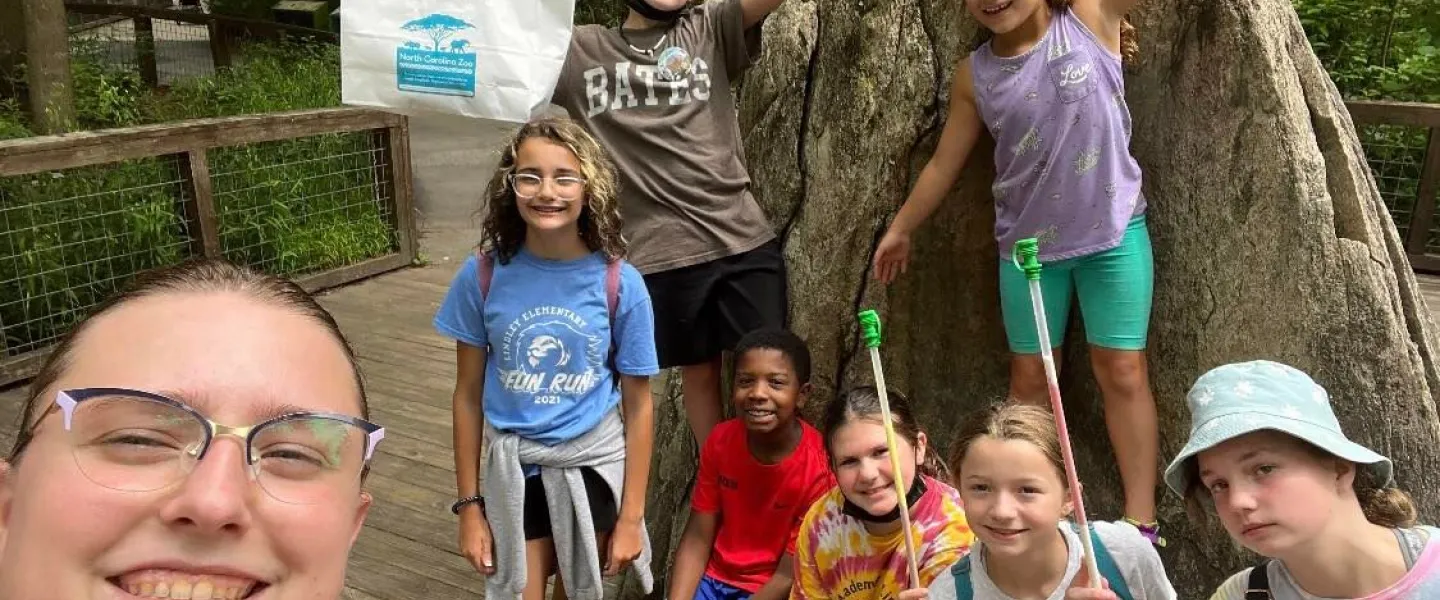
(612, 289)
(486, 271)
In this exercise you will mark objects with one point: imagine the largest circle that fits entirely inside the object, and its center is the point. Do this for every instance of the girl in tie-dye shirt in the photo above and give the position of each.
(850, 545)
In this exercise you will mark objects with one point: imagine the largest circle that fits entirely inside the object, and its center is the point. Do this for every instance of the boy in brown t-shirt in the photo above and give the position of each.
(656, 93)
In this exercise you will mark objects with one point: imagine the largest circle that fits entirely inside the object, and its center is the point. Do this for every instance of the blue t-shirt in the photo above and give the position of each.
(548, 328)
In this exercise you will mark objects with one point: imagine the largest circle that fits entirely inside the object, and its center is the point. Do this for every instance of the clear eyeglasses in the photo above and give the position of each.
(527, 185)
(136, 441)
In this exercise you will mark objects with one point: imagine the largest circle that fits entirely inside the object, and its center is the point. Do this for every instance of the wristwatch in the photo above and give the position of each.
(455, 508)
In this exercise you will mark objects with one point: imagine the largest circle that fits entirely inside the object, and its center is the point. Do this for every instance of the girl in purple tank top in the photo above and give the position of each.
(1048, 88)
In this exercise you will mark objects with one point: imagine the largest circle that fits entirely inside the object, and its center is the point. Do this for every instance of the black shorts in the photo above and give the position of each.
(603, 508)
(702, 310)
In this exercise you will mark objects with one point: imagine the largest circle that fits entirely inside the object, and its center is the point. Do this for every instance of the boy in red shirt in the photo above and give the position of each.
(759, 474)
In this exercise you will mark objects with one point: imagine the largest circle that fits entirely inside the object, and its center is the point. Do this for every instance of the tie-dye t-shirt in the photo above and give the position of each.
(1421, 582)
(837, 559)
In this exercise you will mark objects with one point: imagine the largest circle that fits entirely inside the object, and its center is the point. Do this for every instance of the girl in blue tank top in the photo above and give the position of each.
(1048, 88)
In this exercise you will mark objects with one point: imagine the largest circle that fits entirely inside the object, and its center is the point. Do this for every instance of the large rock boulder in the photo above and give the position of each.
(1270, 238)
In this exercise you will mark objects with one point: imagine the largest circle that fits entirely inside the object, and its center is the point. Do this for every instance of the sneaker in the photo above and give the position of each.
(1150, 530)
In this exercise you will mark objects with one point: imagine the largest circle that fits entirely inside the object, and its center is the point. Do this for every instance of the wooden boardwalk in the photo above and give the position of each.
(408, 547)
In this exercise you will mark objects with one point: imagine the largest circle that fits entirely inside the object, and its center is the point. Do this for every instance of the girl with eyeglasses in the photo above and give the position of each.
(201, 435)
(555, 346)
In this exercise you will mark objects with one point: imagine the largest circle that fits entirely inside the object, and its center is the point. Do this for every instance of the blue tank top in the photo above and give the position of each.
(1064, 173)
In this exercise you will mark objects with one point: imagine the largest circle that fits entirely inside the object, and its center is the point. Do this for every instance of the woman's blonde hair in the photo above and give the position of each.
(1382, 505)
(600, 224)
(1009, 421)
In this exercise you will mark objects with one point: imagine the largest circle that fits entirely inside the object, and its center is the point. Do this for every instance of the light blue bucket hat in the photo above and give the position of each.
(1236, 399)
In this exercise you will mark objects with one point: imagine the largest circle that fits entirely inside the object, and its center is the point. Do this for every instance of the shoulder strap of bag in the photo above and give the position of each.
(1109, 570)
(485, 271)
(612, 291)
(964, 590)
(1258, 587)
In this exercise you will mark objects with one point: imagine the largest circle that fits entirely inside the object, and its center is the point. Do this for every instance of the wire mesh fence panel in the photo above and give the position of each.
(70, 238)
(1396, 155)
(178, 50)
(182, 50)
(300, 206)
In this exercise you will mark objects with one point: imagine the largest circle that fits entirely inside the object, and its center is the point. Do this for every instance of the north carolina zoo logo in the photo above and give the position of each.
(436, 64)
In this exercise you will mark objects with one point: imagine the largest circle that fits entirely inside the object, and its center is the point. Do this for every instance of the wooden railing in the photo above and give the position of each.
(215, 177)
(1423, 121)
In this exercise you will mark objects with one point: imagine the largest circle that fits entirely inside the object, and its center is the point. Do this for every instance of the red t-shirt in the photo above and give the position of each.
(759, 506)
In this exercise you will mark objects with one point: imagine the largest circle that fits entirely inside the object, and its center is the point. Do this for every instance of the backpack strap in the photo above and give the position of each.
(964, 590)
(1258, 587)
(612, 291)
(1109, 570)
(485, 271)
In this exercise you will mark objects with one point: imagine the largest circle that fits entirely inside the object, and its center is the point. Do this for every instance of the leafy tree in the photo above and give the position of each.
(438, 27)
(1377, 49)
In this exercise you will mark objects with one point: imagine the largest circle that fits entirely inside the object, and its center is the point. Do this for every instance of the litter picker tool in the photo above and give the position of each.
(1026, 258)
(870, 330)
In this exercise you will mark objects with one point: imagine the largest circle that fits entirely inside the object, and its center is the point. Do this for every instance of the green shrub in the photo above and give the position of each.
(12, 120)
(270, 77)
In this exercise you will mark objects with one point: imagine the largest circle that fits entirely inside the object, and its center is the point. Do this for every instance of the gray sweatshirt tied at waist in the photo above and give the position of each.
(573, 530)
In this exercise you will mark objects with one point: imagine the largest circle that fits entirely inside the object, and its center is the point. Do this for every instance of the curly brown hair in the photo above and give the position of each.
(600, 224)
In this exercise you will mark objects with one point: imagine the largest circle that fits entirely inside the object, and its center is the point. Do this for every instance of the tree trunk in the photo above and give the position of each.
(52, 108)
(1271, 240)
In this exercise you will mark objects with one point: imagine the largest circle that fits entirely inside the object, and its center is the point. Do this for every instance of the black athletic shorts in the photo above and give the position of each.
(603, 508)
(702, 310)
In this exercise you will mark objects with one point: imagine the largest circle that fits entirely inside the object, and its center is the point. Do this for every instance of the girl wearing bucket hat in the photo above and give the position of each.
(1267, 455)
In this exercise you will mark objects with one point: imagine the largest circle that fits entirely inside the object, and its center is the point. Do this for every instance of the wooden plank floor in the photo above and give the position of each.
(408, 547)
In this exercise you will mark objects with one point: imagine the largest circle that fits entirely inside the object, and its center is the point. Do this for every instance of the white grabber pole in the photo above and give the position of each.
(1027, 259)
(870, 330)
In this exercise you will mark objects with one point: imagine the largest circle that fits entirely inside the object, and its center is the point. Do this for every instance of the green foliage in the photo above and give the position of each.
(291, 207)
(12, 120)
(1376, 49)
(104, 96)
(604, 12)
(271, 77)
(1382, 50)
(73, 237)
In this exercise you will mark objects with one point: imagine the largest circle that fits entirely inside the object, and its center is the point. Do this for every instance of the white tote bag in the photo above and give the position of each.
(491, 59)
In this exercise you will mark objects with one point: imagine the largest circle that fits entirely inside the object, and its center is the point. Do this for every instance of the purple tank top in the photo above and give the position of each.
(1064, 173)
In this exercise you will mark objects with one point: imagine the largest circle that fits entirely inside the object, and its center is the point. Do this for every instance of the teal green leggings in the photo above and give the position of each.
(1115, 289)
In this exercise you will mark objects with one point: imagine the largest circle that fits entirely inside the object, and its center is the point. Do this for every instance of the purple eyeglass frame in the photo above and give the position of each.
(68, 400)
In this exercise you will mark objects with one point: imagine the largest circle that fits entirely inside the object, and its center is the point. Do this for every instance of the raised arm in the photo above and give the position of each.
(962, 129)
(755, 10)
(1104, 18)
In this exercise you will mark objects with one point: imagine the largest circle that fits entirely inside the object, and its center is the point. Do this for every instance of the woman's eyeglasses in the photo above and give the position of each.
(136, 441)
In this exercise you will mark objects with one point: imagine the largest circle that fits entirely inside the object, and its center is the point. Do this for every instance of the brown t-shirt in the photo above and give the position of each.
(684, 191)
